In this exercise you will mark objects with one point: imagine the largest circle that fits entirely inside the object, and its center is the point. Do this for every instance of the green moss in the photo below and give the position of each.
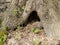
(15, 11)
(37, 41)
(19, 27)
(35, 30)
(23, 7)
(3, 37)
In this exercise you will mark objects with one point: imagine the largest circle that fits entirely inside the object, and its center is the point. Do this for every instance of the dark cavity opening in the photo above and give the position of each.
(33, 17)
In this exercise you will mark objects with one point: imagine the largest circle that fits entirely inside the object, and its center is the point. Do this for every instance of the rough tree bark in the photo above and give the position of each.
(11, 19)
(48, 12)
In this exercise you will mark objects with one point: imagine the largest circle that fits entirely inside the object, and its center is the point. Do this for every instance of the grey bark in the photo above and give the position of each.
(10, 18)
(48, 11)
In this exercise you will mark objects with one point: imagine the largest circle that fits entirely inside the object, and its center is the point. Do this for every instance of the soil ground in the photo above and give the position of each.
(25, 36)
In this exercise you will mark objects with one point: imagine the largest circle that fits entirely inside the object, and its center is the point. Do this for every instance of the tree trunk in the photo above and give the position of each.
(47, 10)
(49, 13)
